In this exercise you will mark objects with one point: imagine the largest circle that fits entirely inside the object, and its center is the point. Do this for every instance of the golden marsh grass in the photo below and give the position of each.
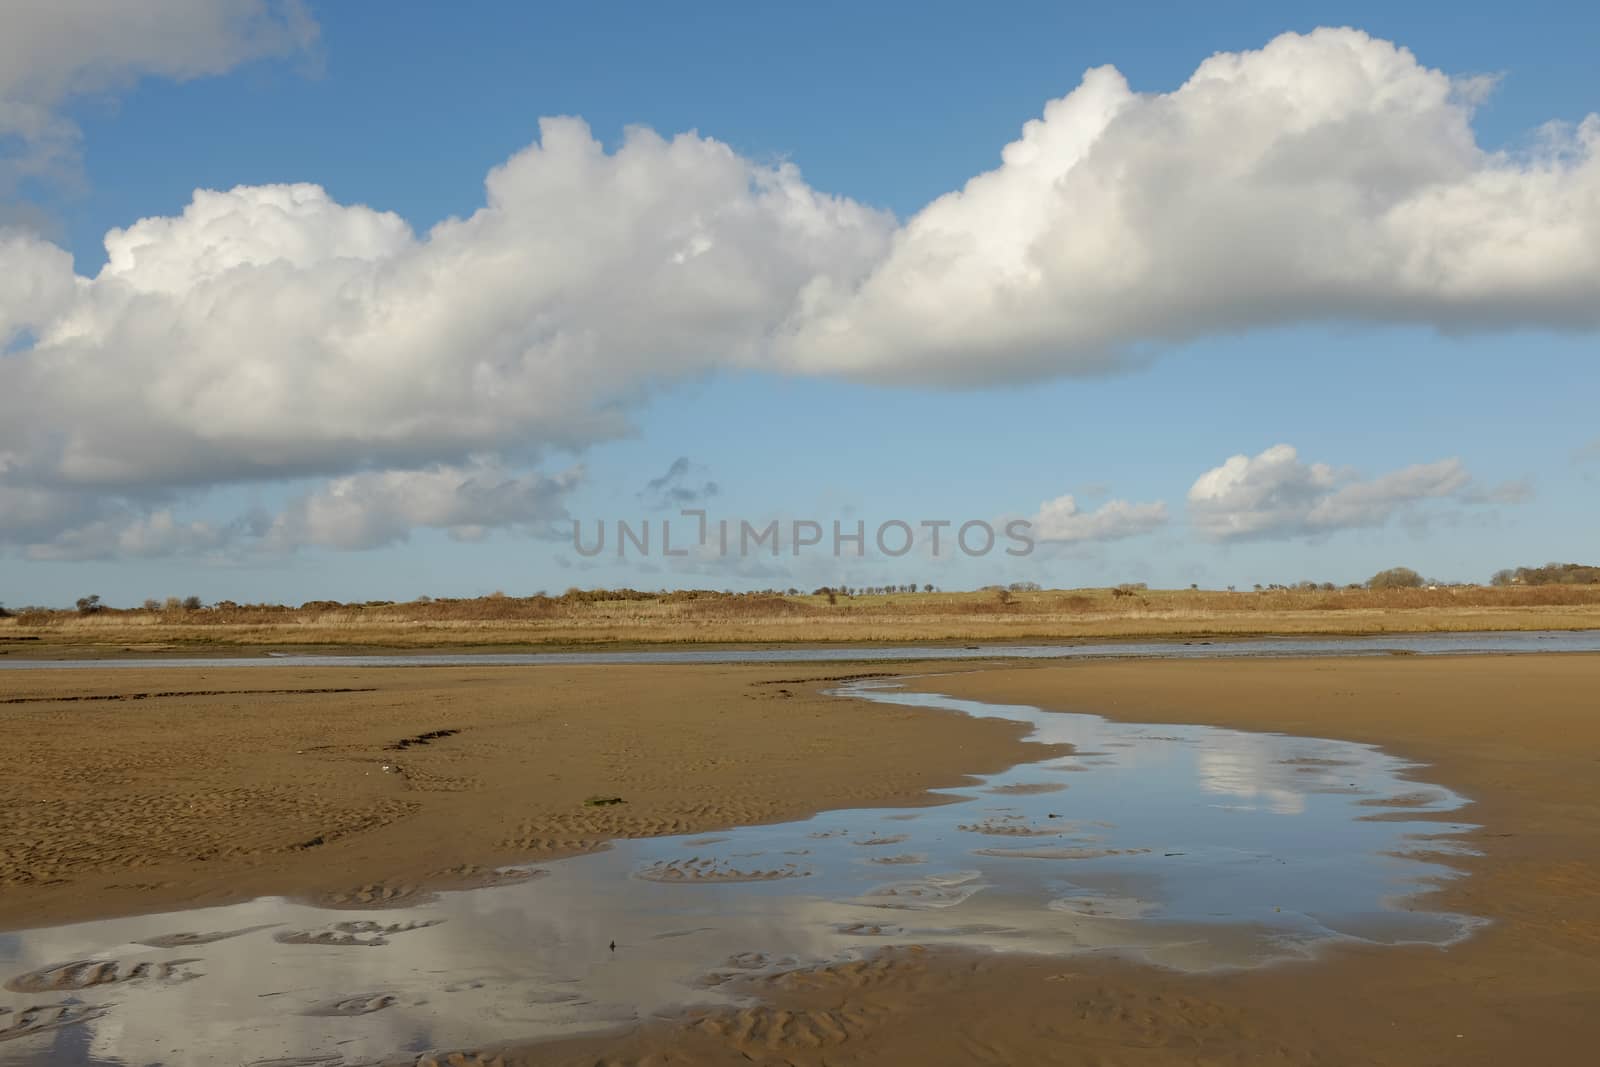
(630, 618)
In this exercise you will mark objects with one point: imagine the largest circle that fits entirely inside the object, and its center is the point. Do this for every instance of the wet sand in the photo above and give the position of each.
(135, 791)
(696, 748)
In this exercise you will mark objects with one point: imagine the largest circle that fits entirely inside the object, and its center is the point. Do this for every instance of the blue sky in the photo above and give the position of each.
(1455, 420)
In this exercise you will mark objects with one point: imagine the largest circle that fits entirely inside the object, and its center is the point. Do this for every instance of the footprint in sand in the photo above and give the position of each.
(866, 929)
(381, 896)
(188, 940)
(85, 974)
(42, 1017)
(364, 934)
(357, 1004)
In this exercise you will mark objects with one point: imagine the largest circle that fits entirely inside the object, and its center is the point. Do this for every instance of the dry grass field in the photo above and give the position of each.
(688, 617)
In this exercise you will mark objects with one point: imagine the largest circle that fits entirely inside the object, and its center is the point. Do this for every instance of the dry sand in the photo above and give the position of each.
(126, 791)
(693, 748)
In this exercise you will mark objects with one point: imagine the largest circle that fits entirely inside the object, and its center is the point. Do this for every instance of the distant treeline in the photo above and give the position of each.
(542, 605)
(1549, 574)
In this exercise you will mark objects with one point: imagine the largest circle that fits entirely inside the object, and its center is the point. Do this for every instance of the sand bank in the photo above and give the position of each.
(136, 791)
(166, 800)
(1521, 736)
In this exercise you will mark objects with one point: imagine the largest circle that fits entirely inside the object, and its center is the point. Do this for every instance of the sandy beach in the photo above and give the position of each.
(1520, 736)
(131, 791)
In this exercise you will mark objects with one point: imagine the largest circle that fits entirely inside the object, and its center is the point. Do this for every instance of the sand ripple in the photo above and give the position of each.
(1023, 789)
(1058, 853)
(696, 870)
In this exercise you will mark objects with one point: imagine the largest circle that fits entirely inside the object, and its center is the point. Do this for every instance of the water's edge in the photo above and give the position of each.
(1478, 643)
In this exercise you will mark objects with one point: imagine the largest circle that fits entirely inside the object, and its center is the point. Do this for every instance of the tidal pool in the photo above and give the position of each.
(1184, 846)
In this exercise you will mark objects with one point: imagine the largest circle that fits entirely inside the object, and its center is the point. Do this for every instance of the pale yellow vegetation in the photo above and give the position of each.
(597, 618)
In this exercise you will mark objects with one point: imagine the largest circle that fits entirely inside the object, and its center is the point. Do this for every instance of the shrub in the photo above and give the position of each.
(192, 603)
(1395, 578)
(90, 605)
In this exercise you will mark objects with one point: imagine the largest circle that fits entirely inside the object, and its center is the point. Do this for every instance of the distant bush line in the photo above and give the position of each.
(1549, 574)
(1554, 585)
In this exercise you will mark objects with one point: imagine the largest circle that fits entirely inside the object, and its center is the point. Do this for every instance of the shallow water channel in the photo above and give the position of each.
(1187, 846)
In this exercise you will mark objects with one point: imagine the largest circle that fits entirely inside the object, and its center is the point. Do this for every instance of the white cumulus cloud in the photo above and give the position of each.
(271, 331)
(1063, 520)
(1326, 176)
(1275, 495)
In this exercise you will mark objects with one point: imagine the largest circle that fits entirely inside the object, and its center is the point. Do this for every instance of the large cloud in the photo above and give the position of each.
(1275, 494)
(272, 332)
(1326, 176)
(54, 50)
